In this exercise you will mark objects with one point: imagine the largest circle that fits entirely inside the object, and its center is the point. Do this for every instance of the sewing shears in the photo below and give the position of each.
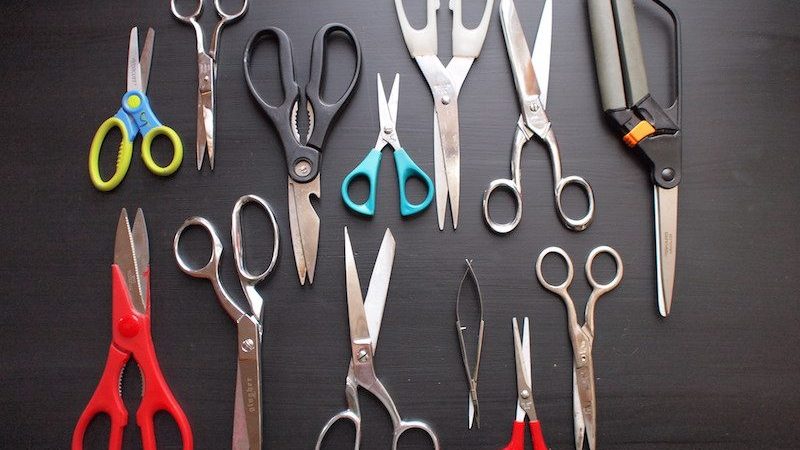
(247, 404)
(474, 415)
(531, 78)
(445, 84)
(207, 73)
(303, 161)
(645, 124)
(134, 117)
(365, 324)
(584, 401)
(130, 337)
(406, 167)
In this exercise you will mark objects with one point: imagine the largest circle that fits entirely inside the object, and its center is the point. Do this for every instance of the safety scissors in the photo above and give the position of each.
(531, 78)
(247, 404)
(207, 73)
(584, 401)
(130, 337)
(445, 84)
(406, 167)
(645, 124)
(135, 117)
(303, 160)
(365, 324)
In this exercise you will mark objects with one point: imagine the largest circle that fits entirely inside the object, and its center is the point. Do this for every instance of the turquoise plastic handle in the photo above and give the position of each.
(407, 168)
(368, 168)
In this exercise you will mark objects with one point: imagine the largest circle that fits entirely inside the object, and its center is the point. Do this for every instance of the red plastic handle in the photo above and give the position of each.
(517, 437)
(536, 435)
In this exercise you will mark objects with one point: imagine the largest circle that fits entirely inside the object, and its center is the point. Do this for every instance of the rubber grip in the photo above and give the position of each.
(517, 437)
(630, 48)
(537, 438)
(177, 151)
(368, 168)
(123, 157)
(407, 168)
(606, 54)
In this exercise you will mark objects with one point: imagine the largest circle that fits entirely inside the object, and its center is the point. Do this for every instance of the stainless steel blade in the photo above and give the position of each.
(524, 403)
(247, 412)
(134, 67)
(584, 381)
(577, 415)
(359, 329)
(141, 254)
(394, 98)
(542, 49)
(384, 114)
(304, 223)
(666, 220)
(146, 58)
(125, 259)
(379, 287)
(518, 54)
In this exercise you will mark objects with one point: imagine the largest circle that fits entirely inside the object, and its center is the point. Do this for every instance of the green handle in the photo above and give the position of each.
(123, 157)
(177, 151)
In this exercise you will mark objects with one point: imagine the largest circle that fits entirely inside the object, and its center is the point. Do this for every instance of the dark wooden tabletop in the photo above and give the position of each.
(720, 373)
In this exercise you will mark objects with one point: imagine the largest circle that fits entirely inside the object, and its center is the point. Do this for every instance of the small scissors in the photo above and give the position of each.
(365, 324)
(207, 73)
(406, 167)
(247, 404)
(474, 414)
(533, 121)
(584, 400)
(133, 118)
(303, 161)
(445, 84)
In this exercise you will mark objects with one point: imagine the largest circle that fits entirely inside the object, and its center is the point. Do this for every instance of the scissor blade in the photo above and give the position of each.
(439, 175)
(146, 58)
(384, 114)
(247, 417)
(471, 408)
(141, 253)
(580, 426)
(379, 287)
(666, 212)
(542, 49)
(521, 360)
(447, 164)
(394, 97)
(134, 67)
(125, 258)
(518, 53)
(208, 129)
(359, 329)
(583, 383)
(304, 222)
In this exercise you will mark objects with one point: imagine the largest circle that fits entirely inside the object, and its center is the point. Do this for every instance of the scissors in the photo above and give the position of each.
(525, 407)
(533, 121)
(303, 160)
(645, 124)
(133, 118)
(247, 404)
(584, 401)
(207, 73)
(365, 324)
(130, 336)
(445, 84)
(474, 415)
(406, 167)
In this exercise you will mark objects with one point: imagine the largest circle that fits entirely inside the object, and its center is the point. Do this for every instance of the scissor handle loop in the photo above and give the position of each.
(177, 151)
(468, 42)
(583, 222)
(211, 269)
(560, 289)
(420, 41)
(404, 426)
(347, 414)
(510, 186)
(238, 244)
(602, 288)
(123, 157)
(192, 17)
(229, 17)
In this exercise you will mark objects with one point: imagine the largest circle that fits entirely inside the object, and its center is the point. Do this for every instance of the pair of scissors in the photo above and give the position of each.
(474, 415)
(365, 324)
(130, 336)
(406, 167)
(247, 414)
(133, 118)
(525, 407)
(531, 78)
(645, 124)
(584, 401)
(303, 160)
(445, 84)
(207, 73)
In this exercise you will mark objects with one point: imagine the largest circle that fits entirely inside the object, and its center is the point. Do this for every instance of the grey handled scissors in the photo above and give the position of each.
(247, 404)
(207, 73)
(584, 401)
(533, 121)
(365, 325)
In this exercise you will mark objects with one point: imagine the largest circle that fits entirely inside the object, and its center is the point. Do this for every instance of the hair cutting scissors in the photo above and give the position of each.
(584, 400)
(445, 84)
(365, 324)
(130, 336)
(247, 404)
(531, 78)
(646, 125)
(207, 73)
(135, 117)
(303, 160)
(406, 167)
(474, 414)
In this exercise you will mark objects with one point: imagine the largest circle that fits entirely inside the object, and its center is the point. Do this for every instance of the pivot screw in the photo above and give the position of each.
(524, 393)
(362, 355)
(534, 107)
(388, 130)
(248, 345)
(668, 174)
(445, 99)
(302, 168)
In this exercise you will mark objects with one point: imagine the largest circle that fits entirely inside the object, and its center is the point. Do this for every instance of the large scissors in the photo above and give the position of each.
(645, 124)
(134, 117)
(445, 84)
(584, 400)
(247, 404)
(303, 160)
(207, 73)
(531, 78)
(365, 324)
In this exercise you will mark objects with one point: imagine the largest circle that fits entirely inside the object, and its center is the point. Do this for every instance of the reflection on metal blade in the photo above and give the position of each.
(379, 287)
(666, 212)
(304, 222)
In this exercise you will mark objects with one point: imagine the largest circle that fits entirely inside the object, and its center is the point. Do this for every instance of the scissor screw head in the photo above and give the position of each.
(248, 345)
(445, 99)
(388, 130)
(525, 393)
(668, 174)
(362, 355)
(534, 107)
(302, 168)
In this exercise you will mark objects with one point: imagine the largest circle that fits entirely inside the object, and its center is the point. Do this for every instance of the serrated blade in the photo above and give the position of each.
(125, 259)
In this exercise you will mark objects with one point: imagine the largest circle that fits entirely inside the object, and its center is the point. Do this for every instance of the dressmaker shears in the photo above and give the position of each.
(247, 403)
(645, 125)
(531, 78)
(584, 400)
(207, 73)
(406, 167)
(130, 336)
(303, 161)
(445, 84)
(365, 324)
(134, 117)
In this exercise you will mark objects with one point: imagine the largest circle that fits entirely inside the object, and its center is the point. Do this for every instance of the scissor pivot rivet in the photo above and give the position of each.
(302, 168)
(525, 393)
(387, 130)
(362, 355)
(248, 345)
(668, 174)
(534, 107)
(445, 99)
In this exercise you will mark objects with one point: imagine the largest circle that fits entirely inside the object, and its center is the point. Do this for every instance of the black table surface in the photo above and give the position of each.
(720, 373)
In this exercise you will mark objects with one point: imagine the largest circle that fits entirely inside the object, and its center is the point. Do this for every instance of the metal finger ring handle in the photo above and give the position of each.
(558, 289)
(512, 187)
(583, 222)
(209, 270)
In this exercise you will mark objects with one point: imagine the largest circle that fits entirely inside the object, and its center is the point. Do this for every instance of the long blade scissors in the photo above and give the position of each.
(247, 415)
(582, 337)
(207, 73)
(445, 84)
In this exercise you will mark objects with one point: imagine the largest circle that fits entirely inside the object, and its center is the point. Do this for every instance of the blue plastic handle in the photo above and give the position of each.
(368, 168)
(407, 168)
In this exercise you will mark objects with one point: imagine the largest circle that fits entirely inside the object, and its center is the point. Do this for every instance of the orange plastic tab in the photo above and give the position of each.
(639, 132)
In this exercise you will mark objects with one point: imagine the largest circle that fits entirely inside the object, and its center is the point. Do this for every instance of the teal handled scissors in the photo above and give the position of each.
(133, 118)
(406, 167)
